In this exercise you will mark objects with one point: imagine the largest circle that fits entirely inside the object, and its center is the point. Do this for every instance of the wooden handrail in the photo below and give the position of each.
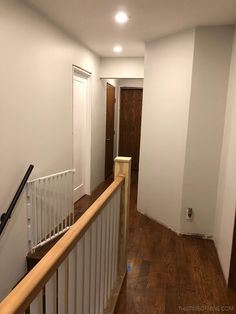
(25, 292)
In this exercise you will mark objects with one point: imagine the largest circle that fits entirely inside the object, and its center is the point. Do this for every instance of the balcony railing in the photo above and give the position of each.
(84, 271)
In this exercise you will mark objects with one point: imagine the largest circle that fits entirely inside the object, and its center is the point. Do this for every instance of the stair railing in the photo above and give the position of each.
(7, 215)
(84, 271)
(50, 207)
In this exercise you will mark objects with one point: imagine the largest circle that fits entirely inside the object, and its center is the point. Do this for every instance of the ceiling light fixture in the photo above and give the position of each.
(121, 17)
(117, 49)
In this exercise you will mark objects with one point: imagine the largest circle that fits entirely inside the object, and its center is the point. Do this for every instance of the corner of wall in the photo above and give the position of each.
(226, 199)
(212, 53)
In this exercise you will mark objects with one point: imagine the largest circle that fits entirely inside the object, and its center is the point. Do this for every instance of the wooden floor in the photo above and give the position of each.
(170, 274)
(87, 200)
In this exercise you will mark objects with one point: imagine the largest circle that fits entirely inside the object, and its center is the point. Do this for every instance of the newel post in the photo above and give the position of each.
(123, 168)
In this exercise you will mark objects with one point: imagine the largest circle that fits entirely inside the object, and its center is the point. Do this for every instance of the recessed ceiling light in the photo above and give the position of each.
(117, 49)
(121, 17)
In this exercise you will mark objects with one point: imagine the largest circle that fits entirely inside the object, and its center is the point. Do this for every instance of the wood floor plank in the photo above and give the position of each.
(170, 274)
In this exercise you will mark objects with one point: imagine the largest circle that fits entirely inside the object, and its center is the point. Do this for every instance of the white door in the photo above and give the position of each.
(79, 134)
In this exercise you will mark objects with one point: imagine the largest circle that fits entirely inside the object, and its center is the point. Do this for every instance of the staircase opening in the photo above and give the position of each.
(84, 271)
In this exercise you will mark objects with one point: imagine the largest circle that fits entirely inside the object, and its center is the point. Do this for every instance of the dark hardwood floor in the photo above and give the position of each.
(87, 200)
(170, 274)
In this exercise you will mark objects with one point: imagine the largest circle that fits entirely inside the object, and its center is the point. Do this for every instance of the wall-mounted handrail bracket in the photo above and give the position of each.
(7, 215)
(2, 217)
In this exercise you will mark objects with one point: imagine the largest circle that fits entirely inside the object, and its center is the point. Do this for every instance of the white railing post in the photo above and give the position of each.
(123, 168)
(29, 217)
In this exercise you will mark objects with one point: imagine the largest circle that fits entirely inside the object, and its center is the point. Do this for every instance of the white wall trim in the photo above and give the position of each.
(77, 71)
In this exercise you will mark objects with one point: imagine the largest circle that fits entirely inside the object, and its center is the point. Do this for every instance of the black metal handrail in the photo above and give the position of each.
(7, 215)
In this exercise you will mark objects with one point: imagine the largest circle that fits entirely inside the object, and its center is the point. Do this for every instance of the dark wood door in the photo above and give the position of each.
(232, 274)
(130, 124)
(110, 130)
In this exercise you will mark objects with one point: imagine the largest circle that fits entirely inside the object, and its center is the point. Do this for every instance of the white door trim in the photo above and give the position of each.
(78, 72)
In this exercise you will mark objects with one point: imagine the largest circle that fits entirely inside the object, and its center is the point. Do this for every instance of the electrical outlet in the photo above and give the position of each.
(189, 214)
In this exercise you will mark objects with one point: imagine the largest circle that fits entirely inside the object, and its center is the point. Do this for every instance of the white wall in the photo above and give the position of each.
(36, 116)
(122, 68)
(137, 83)
(167, 85)
(212, 55)
(226, 200)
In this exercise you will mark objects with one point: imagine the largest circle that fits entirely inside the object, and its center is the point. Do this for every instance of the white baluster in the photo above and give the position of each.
(63, 287)
(35, 220)
(60, 200)
(68, 198)
(117, 232)
(36, 307)
(54, 213)
(112, 241)
(49, 198)
(87, 270)
(71, 199)
(46, 209)
(110, 246)
(103, 252)
(106, 254)
(63, 200)
(44, 189)
(93, 266)
(39, 212)
(30, 216)
(80, 277)
(98, 263)
(72, 264)
(57, 204)
(51, 295)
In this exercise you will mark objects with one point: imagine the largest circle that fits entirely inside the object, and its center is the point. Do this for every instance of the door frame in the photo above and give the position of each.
(115, 101)
(79, 72)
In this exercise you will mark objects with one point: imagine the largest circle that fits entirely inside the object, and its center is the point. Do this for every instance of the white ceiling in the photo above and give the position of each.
(92, 21)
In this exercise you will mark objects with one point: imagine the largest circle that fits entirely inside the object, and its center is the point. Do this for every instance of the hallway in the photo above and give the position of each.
(170, 274)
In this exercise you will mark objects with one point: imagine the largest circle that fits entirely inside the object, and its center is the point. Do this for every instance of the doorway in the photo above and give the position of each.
(110, 132)
(232, 274)
(130, 123)
(81, 133)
